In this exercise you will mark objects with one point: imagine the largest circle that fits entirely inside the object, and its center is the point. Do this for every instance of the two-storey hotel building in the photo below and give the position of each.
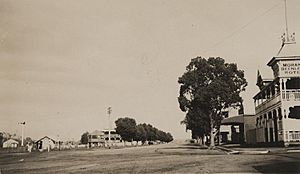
(277, 104)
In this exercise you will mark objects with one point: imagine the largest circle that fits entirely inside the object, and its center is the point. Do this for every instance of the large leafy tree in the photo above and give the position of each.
(207, 88)
(126, 128)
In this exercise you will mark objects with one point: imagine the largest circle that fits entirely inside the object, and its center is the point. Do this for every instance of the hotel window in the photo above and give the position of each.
(293, 83)
(294, 112)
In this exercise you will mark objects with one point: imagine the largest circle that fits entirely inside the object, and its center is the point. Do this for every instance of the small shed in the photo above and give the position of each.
(11, 143)
(46, 143)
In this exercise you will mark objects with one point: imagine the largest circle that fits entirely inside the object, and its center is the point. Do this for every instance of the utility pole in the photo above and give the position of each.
(22, 125)
(286, 22)
(109, 110)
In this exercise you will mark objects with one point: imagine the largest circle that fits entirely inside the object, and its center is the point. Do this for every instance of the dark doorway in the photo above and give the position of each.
(266, 134)
(271, 135)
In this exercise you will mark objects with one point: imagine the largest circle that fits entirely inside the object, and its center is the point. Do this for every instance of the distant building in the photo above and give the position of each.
(11, 143)
(277, 104)
(101, 138)
(46, 143)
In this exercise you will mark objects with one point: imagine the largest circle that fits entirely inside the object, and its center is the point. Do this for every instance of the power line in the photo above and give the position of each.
(242, 27)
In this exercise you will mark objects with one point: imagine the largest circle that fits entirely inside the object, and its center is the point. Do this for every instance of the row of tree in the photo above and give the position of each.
(130, 131)
(207, 88)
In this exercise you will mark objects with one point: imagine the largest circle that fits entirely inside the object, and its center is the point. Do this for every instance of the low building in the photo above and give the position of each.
(11, 143)
(237, 127)
(46, 143)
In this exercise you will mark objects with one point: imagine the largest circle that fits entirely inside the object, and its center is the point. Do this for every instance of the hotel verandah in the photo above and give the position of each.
(277, 104)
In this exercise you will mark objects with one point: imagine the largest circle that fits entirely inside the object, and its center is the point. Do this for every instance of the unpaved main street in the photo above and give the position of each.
(165, 158)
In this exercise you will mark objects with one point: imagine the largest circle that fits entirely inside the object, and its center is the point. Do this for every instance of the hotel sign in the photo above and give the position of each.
(289, 68)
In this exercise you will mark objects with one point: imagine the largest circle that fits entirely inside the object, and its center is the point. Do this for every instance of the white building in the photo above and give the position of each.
(47, 143)
(277, 104)
(11, 143)
(101, 138)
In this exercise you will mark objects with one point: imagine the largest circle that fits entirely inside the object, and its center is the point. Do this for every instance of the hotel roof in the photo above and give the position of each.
(288, 51)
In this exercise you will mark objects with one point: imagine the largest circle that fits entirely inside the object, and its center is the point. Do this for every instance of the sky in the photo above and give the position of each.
(62, 63)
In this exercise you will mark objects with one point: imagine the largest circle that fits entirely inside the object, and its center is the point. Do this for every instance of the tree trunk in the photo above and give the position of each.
(212, 135)
(219, 137)
(200, 140)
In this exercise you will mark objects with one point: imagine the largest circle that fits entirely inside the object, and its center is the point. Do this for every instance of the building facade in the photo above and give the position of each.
(47, 143)
(277, 104)
(11, 143)
(237, 128)
(101, 138)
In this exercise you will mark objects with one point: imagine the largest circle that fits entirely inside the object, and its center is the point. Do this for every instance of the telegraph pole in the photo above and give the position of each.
(22, 125)
(109, 110)
(286, 22)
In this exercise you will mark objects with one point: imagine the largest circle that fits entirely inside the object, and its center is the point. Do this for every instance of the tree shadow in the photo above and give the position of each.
(187, 146)
(184, 147)
(279, 166)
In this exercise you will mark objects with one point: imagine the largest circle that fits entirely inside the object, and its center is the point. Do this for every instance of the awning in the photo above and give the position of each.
(235, 120)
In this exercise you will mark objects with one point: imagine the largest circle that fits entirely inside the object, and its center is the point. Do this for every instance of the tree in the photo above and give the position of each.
(197, 121)
(151, 132)
(126, 128)
(28, 140)
(141, 134)
(169, 137)
(84, 138)
(207, 88)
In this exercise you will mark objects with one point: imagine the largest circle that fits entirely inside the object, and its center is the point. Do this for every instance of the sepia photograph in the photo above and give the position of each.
(149, 86)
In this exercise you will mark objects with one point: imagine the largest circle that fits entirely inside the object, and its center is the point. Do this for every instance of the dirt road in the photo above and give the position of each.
(165, 158)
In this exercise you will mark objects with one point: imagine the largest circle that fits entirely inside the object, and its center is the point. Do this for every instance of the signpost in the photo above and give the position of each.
(22, 124)
(109, 110)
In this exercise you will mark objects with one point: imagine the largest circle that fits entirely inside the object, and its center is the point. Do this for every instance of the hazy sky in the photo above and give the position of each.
(62, 63)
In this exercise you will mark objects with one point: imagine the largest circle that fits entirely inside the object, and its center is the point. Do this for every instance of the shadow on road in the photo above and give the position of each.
(186, 146)
(187, 149)
(279, 166)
